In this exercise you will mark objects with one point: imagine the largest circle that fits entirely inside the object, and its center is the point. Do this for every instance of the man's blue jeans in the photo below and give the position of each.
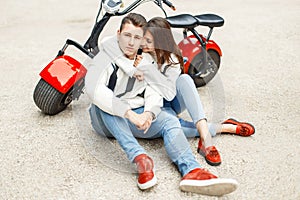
(166, 126)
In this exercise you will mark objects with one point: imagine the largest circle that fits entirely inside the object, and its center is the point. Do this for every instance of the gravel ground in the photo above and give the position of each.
(60, 157)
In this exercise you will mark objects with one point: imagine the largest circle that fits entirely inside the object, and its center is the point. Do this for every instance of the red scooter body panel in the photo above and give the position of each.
(63, 72)
(190, 47)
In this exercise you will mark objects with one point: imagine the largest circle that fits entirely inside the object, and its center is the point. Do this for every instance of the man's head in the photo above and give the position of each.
(130, 34)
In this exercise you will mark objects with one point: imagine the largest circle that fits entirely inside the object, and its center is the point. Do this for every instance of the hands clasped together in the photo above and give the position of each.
(142, 121)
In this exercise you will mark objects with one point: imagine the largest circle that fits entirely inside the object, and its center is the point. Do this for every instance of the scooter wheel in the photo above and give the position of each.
(50, 100)
(197, 65)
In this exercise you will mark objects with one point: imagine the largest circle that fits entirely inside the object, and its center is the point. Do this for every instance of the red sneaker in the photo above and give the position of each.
(210, 154)
(243, 128)
(203, 182)
(145, 165)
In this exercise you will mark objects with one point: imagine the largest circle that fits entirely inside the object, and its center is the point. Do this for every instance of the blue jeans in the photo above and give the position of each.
(187, 98)
(166, 126)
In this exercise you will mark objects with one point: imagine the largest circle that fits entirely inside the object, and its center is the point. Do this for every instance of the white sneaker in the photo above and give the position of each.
(203, 182)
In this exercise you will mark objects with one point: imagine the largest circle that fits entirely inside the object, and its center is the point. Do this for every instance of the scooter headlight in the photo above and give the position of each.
(112, 6)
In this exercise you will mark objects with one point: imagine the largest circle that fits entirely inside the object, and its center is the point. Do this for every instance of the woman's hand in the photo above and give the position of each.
(139, 75)
(137, 60)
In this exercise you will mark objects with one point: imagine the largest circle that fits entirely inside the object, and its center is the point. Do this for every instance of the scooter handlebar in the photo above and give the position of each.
(81, 48)
(138, 2)
(168, 3)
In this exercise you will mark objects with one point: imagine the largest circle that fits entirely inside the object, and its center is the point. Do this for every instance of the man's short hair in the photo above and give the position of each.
(135, 19)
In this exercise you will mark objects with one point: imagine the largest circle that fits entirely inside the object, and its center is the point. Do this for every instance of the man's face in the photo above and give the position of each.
(130, 39)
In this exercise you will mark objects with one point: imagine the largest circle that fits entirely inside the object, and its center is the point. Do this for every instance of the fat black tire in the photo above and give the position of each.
(213, 59)
(50, 100)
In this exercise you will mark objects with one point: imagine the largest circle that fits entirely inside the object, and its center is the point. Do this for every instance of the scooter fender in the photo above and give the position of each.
(190, 47)
(63, 72)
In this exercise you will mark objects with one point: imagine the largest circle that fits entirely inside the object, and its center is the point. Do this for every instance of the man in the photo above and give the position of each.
(126, 112)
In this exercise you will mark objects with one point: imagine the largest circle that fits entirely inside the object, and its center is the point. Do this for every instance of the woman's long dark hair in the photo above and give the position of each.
(164, 42)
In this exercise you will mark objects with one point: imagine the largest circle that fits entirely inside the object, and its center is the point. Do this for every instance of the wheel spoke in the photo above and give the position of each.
(200, 75)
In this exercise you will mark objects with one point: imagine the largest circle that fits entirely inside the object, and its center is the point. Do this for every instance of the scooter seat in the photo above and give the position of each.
(210, 20)
(182, 21)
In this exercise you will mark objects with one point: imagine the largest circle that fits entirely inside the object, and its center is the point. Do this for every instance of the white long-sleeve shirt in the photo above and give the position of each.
(163, 81)
(96, 81)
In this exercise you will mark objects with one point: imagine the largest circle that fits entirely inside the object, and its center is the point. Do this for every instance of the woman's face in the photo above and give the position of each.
(148, 43)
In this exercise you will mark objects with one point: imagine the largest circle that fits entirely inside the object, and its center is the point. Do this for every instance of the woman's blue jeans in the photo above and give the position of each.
(187, 98)
(166, 126)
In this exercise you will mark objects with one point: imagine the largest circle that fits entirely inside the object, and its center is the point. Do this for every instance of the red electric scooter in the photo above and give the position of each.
(62, 80)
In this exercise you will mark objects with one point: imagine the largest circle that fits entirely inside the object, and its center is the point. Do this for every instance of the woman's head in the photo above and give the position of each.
(158, 38)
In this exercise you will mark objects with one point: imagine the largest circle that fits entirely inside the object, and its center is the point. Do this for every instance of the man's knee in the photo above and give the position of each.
(168, 120)
(97, 122)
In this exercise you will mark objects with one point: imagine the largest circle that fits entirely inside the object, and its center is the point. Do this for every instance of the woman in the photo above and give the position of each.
(179, 89)
(159, 42)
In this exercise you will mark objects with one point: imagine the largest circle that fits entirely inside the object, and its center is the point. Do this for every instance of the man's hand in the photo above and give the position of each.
(141, 121)
(148, 121)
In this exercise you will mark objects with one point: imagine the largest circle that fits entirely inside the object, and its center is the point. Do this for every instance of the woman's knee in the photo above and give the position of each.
(183, 81)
